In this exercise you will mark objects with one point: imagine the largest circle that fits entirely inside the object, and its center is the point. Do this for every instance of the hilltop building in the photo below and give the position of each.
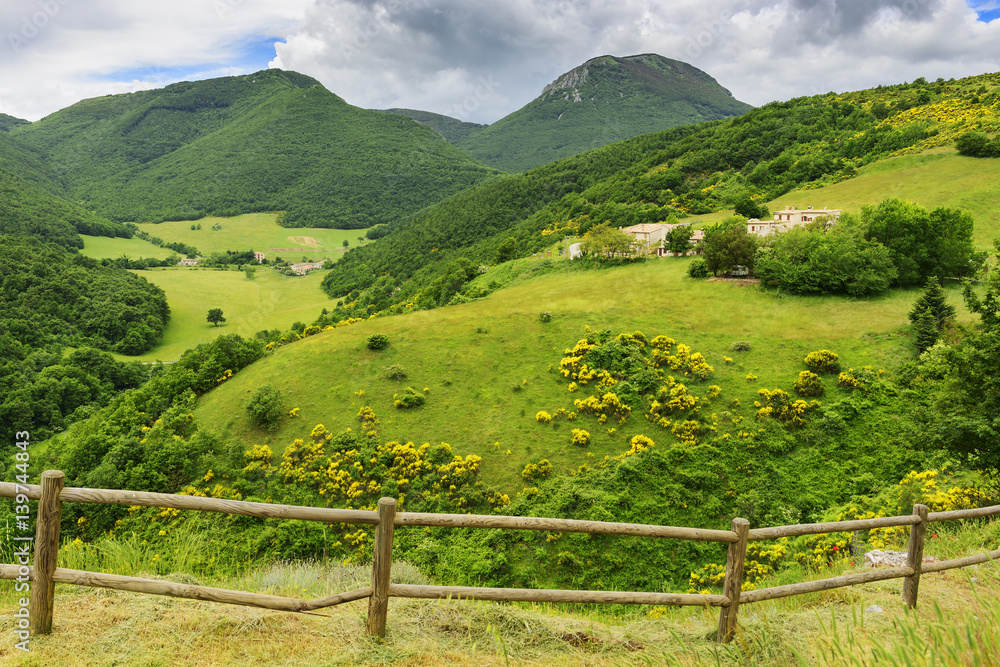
(259, 256)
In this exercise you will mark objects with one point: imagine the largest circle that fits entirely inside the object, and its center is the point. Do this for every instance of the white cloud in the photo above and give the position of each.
(480, 60)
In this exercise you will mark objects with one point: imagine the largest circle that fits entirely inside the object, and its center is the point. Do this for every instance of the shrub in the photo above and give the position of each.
(546, 316)
(740, 346)
(394, 372)
(378, 342)
(698, 268)
(536, 471)
(808, 384)
(543, 417)
(823, 361)
(264, 407)
(409, 398)
(580, 437)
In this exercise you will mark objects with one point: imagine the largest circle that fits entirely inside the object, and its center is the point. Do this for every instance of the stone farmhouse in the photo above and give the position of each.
(305, 267)
(654, 235)
(788, 218)
(259, 256)
(188, 262)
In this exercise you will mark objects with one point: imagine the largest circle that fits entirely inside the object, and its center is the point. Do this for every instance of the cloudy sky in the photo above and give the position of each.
(480, 60)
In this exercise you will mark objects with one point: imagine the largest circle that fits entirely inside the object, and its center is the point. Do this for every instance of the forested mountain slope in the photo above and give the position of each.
(33, 202)
(268, 141)
(607, 99)
(452, 129)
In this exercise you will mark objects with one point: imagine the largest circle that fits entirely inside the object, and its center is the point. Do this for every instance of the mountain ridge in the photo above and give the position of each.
(268, 141)
(604, 100)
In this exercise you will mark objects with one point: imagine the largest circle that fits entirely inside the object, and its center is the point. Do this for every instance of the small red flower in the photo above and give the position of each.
(836, 548)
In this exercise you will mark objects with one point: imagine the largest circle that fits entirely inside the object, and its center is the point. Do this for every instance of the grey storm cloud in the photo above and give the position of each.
(482, 59)
(848, 17)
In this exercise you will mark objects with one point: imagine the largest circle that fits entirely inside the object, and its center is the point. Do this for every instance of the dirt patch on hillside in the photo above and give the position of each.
(307, 241)
(738, 281)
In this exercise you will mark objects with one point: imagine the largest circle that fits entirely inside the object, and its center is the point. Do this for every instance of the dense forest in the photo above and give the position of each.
(270, 141)
(51, 300)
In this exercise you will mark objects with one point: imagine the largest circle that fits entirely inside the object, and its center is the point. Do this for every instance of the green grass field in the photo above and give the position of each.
(260, 232)
(270, 301)
(489, 366)
(938, 177)
(101, 247)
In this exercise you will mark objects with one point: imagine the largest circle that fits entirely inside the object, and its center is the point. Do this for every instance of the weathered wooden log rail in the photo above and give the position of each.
(51, 494)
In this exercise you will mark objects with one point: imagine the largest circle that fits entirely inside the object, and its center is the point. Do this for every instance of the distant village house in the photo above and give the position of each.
(789, 218)
(259, 256)
(305, 267)
(188, 262)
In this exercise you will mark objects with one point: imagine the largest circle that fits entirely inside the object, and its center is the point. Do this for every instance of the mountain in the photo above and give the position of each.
(7, 122)
(269, 141)
(453, 130)
(607, 99)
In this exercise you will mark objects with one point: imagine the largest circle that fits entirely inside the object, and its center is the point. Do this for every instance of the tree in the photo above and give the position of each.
(933, 299)
(507, 250)
(679, 239)
(250, 272)
(346, 243)
(728, 245)
(977, 144)
(215, 316)
(604, 242)
(265, 406)
(925, 330)
(748, 208)
(814, 260)
(921, 244)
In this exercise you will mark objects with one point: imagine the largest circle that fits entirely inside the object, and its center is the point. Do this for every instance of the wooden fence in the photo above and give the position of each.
(51, 495)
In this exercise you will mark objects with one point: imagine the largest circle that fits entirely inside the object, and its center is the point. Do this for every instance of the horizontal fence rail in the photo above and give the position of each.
(51, 495)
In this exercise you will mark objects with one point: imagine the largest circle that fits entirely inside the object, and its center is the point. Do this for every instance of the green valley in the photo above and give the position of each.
(452, 356)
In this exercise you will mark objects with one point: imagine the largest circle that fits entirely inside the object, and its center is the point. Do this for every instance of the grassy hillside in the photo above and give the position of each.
(260, 232)
(607, 99)
(762, 155)
(489, 365)
(270, 301)
(937, 177)
(269, 141)
(100, 247)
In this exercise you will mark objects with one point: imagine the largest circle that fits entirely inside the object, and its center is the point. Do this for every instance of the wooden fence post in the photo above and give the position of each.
(915, 557)
(46, 553)
(378, 603)
(734, 580)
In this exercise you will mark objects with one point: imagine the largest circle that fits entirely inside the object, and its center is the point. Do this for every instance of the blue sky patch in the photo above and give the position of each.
(250, 55)
(987, 9)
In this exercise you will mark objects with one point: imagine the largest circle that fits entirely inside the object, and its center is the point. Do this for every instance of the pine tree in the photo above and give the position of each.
(926, 330)
(933, 298)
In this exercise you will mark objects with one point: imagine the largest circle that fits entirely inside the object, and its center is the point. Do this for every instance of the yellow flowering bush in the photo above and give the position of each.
(823, 361)
(543, 417)
(581, 437)
(778, 404)
(536, 471)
